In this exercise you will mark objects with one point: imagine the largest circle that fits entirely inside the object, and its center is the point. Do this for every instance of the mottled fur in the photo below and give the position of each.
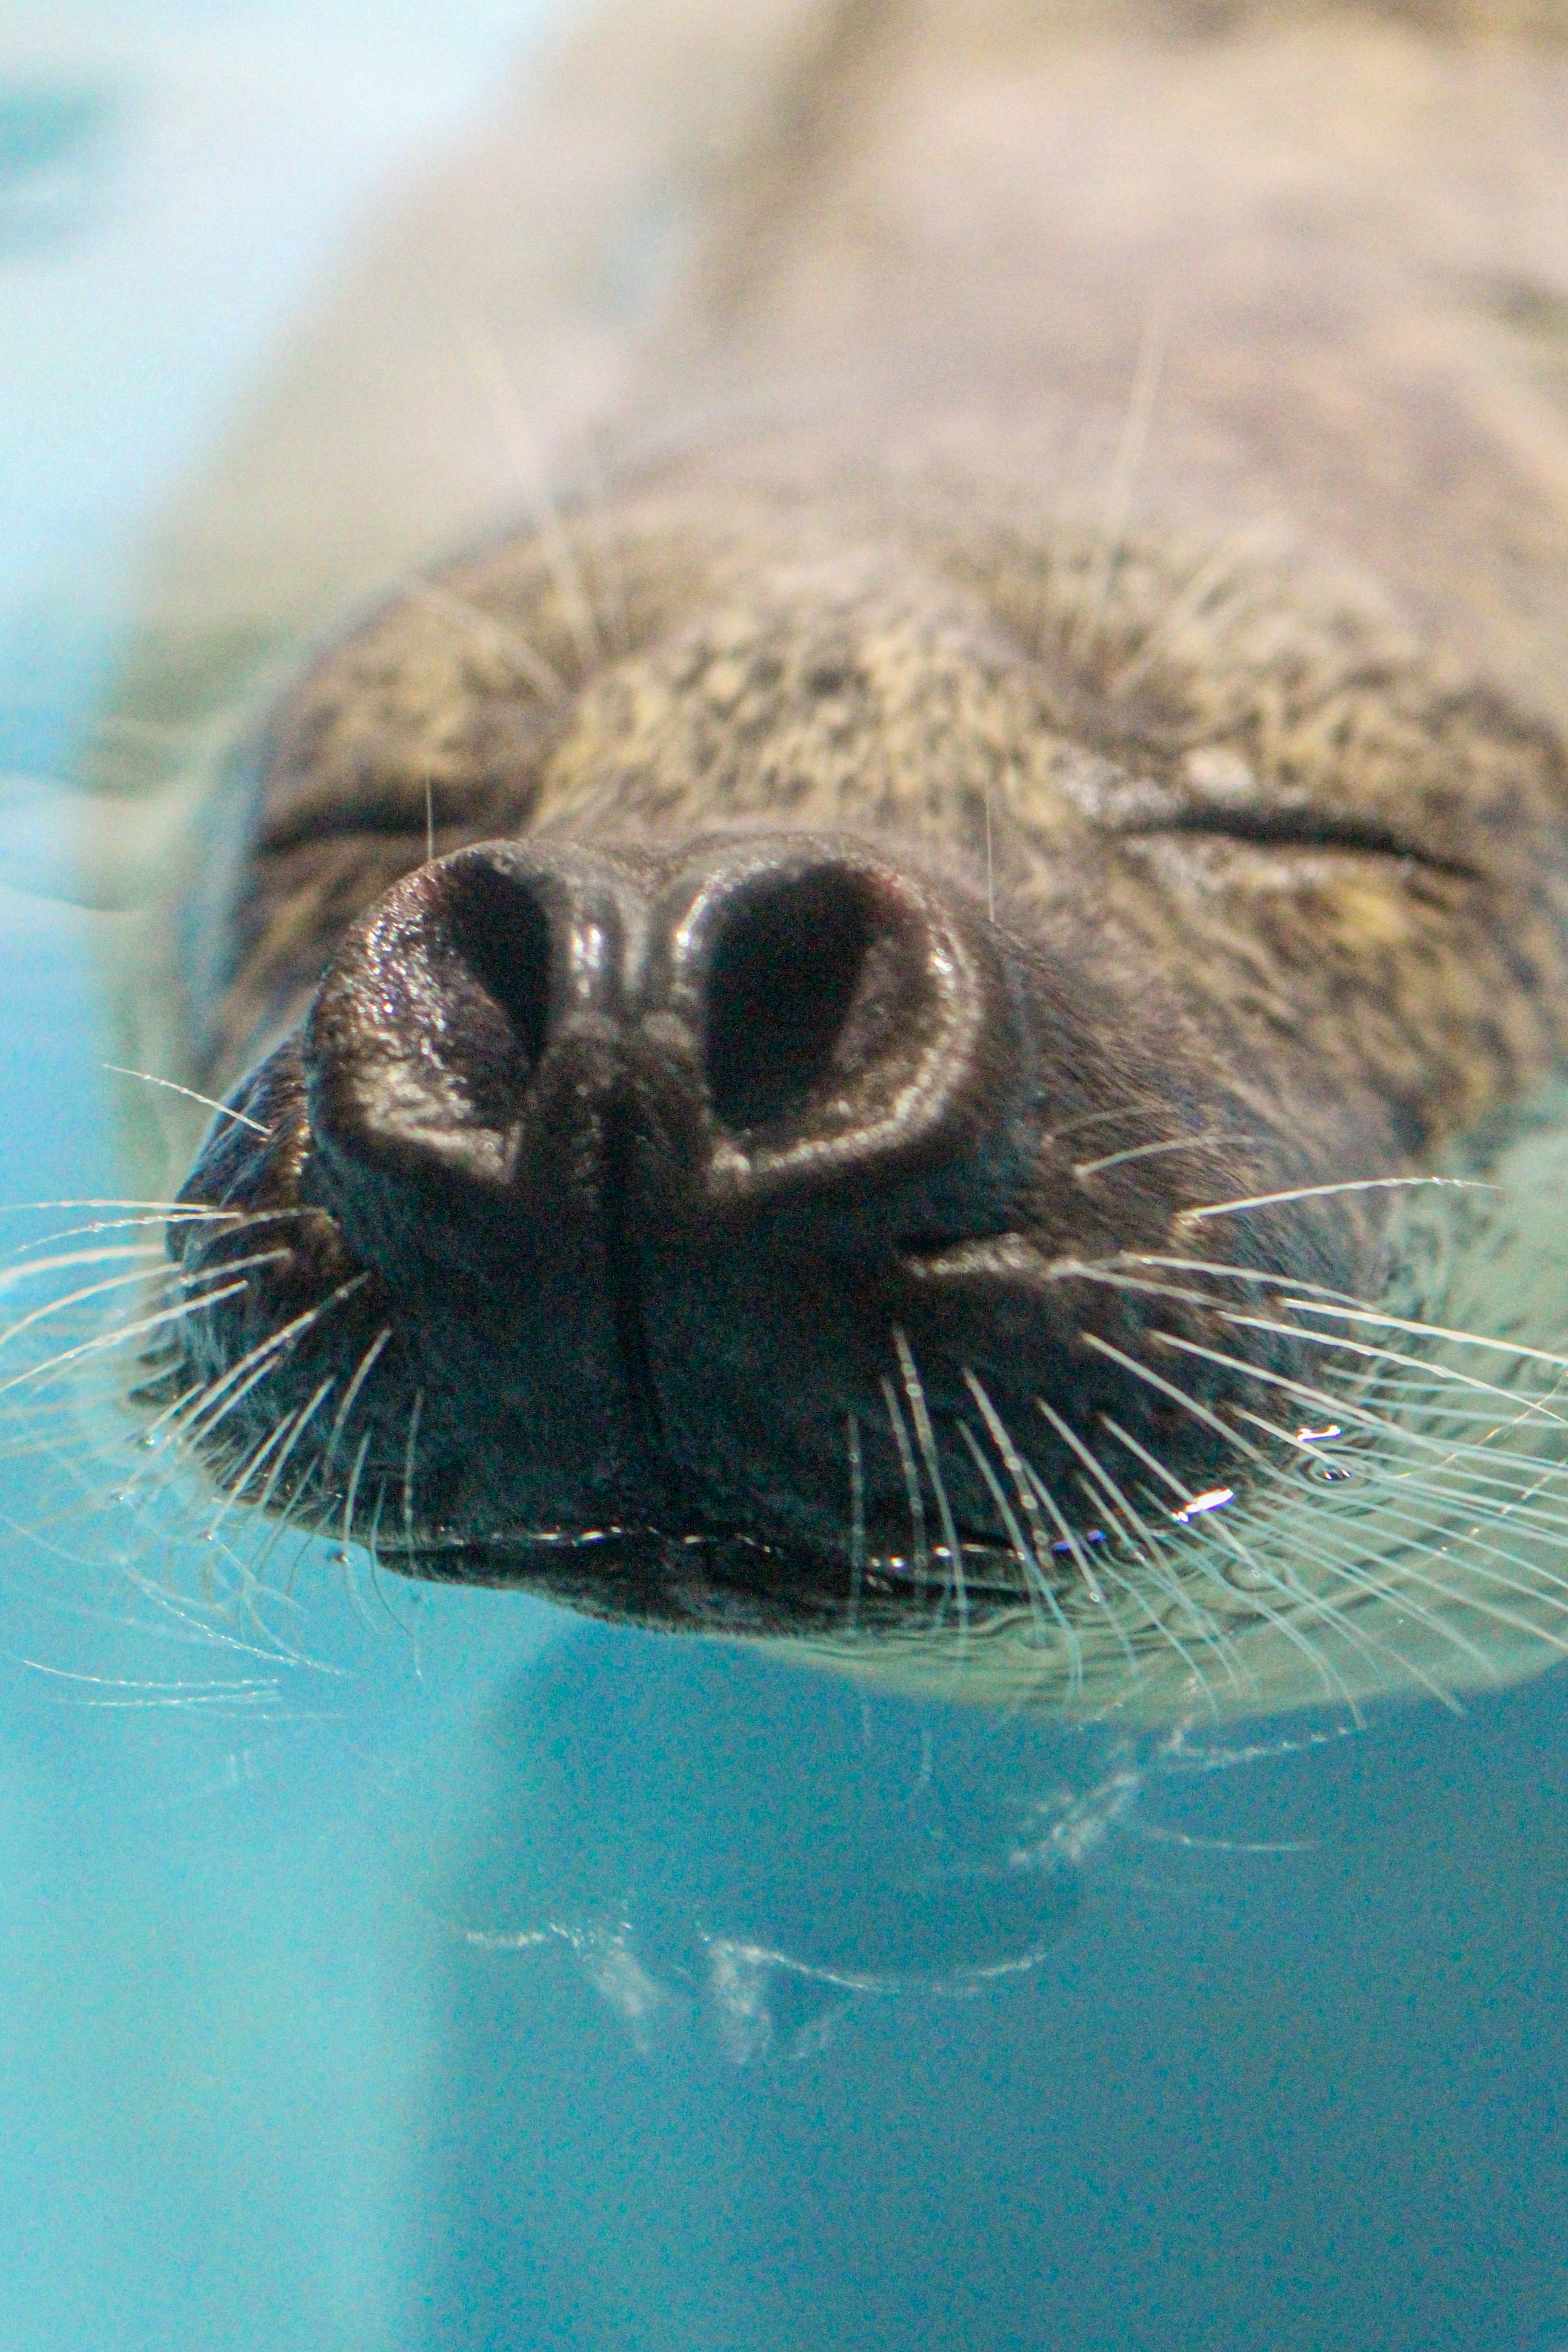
(1111, 461)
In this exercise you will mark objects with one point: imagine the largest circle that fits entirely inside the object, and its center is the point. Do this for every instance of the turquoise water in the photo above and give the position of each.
(427, 1969)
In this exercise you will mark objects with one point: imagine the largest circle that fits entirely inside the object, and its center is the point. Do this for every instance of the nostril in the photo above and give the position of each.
(789, 974)
(500, 930)
(438, 1021)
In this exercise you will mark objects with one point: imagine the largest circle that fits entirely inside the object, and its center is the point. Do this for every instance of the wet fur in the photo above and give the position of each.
(1058, 467)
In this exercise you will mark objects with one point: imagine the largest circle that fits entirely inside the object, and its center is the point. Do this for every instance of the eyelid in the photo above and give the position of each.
(1296, 828)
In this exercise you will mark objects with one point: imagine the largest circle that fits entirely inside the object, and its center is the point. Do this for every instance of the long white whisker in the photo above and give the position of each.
(926, 1438)
(259, 1458)
(241, 1118)
(53, 1307)
(911, 1480)
(120, 1338)
(1156, 1151)
(1319, 1398)
(362, 1372)
(1324, 1192)
(1067, 1535)
(1439, 1375)
(1123, 477)
(1107, 1493)
(418, 1407)
(1333, 1684)
(1362, 1314)
(1258, 1577)
(1129, 1110)
(1015, 1534)
(259, 1360)
(34, 1268)
(1146, 1373)
(577, 606)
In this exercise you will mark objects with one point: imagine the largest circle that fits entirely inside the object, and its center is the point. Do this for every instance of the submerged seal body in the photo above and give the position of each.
(836, 1036)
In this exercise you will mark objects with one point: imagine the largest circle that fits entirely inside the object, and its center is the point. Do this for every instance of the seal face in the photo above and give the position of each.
(884, 1215)
(824, 1046)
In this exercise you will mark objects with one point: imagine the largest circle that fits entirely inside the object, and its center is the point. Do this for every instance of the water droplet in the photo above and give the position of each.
(1246, 1577)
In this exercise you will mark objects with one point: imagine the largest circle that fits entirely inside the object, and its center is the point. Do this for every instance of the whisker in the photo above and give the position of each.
(926, 1438)
(258, 1457)
(1108, 1270)
(1094, 1493)
(351, 1498)
(1146, 1373)
(577, 606)
(1012, 1463)
(1324, 1192)
(609, 543)
(34, 1268)
(1066, 1534)
(362, 1372)
(1109, 1494)
(1338, 1565)
(1257, 1573)
(1014, 1533)
(166, 1208)
(263, 1500)
(241, 1118)
(53, 1307)
(1129, 1110)
(1358, 1313)
(1319, 1397)
(417, 1409)
(120, 1338)
(911, 1480)
(532, 667)
(161, 1220)
(1155, 1150)
(1439, 1375)
(255, 1364)
(1150, 367)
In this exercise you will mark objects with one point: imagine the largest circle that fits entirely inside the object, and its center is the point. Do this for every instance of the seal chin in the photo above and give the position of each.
(679, 1231)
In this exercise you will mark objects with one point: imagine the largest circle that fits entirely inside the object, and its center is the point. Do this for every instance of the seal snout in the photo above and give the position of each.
(655, 1130)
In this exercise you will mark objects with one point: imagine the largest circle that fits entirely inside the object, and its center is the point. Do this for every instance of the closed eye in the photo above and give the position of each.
(1299, 828)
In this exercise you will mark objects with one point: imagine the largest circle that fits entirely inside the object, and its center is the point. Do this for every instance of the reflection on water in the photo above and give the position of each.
(386, 1967)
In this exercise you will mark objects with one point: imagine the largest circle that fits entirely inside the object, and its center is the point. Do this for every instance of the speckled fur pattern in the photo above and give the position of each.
(1103, 467)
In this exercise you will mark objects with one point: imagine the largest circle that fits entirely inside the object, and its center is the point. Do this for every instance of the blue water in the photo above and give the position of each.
(451, 1973)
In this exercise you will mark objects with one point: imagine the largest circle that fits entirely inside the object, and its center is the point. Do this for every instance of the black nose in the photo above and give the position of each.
(781, 1023)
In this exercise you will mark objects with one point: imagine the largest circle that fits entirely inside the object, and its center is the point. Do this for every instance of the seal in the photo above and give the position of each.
(859, 1031)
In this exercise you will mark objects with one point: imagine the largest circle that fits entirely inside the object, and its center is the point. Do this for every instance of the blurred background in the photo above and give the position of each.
(418, 1968)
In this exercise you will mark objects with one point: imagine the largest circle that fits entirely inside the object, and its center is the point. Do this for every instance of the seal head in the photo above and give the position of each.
(712, 1219)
